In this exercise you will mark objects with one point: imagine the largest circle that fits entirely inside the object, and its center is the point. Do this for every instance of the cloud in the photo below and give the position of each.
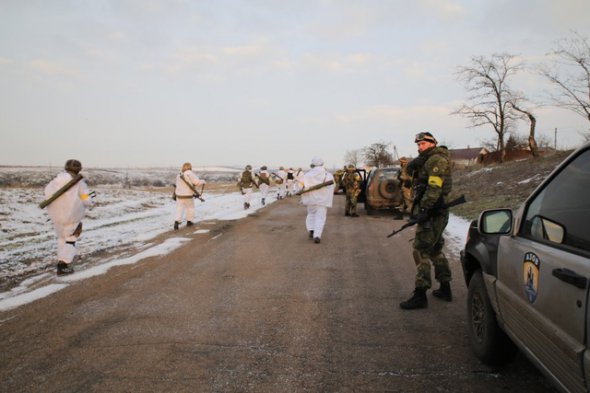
(195, 56)
(337, 63)
(53, 68)
(244, 50)
(446, 9)
(4, 60)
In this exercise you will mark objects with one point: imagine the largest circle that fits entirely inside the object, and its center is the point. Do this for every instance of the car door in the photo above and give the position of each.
(543, 273)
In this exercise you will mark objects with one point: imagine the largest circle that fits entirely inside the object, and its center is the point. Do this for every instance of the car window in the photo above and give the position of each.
(560, 213)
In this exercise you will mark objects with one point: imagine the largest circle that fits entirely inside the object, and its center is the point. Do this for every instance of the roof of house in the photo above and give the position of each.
(468, 153)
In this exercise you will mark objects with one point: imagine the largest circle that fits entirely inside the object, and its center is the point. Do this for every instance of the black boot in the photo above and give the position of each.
(263, 203)
(176, 224)
(64, 269)
(444, 292)
(418, 300)
(189, 223)
(311, 234)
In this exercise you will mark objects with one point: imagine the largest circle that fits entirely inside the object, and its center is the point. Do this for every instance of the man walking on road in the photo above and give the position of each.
(352, 186)
(433, 184)
(66, 212)
(319, 200)
(185, 192)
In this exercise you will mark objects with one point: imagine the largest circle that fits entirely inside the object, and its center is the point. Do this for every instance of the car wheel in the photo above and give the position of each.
(388, 189)
(490, 344)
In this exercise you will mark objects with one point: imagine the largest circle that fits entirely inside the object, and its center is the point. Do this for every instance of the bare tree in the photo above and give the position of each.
(532, 142)
(378, 155)
(570, 75)
(353, 157)
(486, 80)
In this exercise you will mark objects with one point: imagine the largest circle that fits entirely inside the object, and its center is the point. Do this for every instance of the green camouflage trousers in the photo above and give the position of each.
(428, 245)
(351, 200)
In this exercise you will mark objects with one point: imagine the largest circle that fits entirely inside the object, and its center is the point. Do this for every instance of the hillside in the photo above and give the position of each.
(501, 185)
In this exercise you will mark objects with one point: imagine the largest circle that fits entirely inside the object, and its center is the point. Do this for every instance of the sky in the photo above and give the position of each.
(139, 83)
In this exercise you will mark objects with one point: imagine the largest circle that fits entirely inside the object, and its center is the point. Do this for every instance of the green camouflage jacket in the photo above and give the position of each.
(246, 181)
(351, 181)
(434, 177)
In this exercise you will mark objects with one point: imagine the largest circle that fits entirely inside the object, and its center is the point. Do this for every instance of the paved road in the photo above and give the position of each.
(255, 306)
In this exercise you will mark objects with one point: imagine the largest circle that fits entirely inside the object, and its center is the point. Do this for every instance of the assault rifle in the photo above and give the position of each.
(316, 187)
(61, 191)
(265, 181)
(196, 193)
(414, 221)
(279, 180)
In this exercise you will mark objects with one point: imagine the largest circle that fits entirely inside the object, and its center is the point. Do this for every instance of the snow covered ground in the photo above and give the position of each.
(118, 230)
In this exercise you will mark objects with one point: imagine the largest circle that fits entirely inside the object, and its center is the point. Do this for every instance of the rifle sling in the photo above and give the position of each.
(191, 186)
(61, 191)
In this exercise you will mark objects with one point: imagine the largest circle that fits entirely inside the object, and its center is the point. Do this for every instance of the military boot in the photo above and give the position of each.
(418, 300)
(444, 292)
(64, 268)
(263, 202)
(176, 224)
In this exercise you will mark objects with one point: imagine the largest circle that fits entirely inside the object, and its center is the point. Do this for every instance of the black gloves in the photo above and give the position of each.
(407, 183)
(422, 216)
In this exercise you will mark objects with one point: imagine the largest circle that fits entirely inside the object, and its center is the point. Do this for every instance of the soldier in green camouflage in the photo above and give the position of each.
(405, 181)
(352, 184)
(432, 186)
(338, 179)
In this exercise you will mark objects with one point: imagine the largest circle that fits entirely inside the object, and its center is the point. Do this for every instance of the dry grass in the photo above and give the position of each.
(501, 185)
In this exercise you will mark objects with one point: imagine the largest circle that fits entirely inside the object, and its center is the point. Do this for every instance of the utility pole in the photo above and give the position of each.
(555, 138)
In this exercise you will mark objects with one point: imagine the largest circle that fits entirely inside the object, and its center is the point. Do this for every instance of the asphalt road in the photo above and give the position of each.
(255, 306)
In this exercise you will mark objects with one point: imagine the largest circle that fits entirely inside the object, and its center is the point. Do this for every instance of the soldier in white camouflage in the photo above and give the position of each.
(432, 185)
(263, 183)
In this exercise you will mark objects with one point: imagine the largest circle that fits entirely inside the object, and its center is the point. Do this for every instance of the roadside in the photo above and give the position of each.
(254, 306)
(502, 185)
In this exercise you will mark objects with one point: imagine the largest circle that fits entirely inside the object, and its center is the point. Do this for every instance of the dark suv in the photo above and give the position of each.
(527, 274)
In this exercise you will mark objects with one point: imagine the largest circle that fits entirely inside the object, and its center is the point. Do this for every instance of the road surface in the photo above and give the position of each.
(255, 306)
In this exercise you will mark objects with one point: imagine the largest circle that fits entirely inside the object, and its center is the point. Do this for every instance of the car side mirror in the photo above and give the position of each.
(495, 222)
(543, 228)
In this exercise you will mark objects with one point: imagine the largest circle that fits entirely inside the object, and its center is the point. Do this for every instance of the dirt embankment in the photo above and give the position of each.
(501, 185)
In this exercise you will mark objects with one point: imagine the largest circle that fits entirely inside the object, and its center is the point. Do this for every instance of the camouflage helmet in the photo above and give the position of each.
(248, 167)
(263, 167)
(73, 166)
(403, 160)
(425, 136)
(350, 168)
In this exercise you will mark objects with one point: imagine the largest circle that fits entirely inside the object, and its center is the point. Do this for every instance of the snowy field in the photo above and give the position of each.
(119, 229)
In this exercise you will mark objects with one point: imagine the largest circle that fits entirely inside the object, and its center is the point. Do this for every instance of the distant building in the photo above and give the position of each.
(467, 157)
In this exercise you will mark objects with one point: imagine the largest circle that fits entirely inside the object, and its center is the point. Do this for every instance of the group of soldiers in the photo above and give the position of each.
(428, 177)
(285, 180)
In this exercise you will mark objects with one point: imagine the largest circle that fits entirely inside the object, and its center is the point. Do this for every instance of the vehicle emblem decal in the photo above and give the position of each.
(531, 266)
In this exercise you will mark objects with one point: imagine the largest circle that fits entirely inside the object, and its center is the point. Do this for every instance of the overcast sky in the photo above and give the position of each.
(130, 83)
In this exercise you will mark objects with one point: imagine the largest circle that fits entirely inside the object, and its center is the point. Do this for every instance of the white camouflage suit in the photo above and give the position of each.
(66, 213)
(290, 181)
(283, 186)
(317, 201)
(184, 195)
(263, 186)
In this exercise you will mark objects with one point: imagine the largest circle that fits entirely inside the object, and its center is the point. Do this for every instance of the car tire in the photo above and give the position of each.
(490, 344)
(388, 189)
